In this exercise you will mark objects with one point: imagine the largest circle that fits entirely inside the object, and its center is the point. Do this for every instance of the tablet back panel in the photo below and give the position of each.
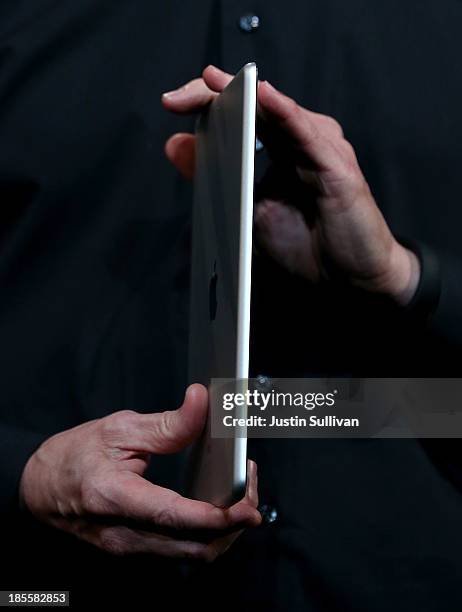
(221, 268)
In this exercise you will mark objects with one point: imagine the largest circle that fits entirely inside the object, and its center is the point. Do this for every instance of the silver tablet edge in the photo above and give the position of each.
(245, 258)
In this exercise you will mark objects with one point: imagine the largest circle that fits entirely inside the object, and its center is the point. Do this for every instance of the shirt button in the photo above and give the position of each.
(263, 383)
(249, 22)
(269, 514)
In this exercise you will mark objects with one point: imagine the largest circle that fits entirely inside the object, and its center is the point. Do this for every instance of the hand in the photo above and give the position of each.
(89, 481)
(315, 214)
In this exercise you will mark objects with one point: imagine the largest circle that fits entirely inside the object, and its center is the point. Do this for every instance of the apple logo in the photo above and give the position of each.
(213, 293)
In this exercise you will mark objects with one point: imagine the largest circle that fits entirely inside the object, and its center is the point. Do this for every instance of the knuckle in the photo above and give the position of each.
(293, 106)
(335, 126)
(122, 418)
(197, 82)
(348, 175)
(167, 517)
(119, 423)
(348, 165)
(292, 110)
(348, 150)
(164, 426)
(348, 172)
(353, 178)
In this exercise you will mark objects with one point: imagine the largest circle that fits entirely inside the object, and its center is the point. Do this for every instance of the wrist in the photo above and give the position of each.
(405, 271)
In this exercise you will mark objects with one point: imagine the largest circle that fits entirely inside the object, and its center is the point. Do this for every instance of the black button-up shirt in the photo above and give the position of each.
(94, 274)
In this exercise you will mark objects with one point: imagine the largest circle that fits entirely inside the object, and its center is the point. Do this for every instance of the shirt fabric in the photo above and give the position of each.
(94, 281)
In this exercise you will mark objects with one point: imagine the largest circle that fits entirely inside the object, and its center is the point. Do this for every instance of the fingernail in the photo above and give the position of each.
(268, 84)
(174, 93)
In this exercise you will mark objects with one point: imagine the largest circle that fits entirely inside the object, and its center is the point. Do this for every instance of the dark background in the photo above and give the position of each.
(94, 275)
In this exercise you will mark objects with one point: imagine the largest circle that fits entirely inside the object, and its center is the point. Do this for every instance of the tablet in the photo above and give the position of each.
(221, 275)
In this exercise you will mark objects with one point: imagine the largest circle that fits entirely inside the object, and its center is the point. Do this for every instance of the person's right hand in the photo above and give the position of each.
(314, 212)
(88, 481)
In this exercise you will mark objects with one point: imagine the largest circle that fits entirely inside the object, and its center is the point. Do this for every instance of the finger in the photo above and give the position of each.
(219, 546)
(172, 430)
(135, 499)
(121, 540)
(180, 150)
(191, 98)
(327, 124)
(216, 79)
(299, 126)
(251, 495)
(249, 503)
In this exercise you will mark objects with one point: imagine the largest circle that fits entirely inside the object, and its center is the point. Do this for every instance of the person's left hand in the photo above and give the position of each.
(315, 214)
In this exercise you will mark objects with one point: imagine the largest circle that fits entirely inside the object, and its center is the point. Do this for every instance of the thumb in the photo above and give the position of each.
(172, 430)
(180, 150)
